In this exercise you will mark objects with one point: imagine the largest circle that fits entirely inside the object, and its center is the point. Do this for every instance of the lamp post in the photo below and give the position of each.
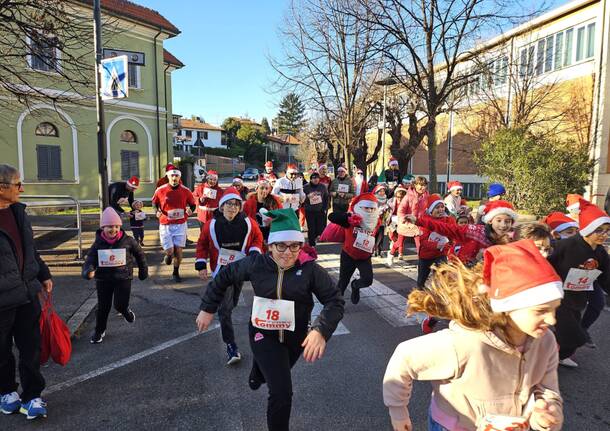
(101, 148)
(385, 83)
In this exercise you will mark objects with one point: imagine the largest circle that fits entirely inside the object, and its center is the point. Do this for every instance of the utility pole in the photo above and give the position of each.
(101, 147)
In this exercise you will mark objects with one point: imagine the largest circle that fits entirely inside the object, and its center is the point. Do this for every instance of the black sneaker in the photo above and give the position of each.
(233, 355)
(97, 338)
(177, 278)
(256, 379)
(130, 316)
(355, 294)
(168, 259)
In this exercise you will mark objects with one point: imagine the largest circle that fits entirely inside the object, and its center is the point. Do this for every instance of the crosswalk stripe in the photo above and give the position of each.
(317, 308)
(388, 304)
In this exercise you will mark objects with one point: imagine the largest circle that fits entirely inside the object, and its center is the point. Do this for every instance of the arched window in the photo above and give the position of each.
(47, 129)
(129, 137)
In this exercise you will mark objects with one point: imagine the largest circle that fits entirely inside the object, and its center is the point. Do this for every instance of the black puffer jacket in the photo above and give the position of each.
(16, 287)
(133, 253)
(298, 283)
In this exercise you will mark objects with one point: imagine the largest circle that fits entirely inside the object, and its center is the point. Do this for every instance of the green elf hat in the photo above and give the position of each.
(284, 226)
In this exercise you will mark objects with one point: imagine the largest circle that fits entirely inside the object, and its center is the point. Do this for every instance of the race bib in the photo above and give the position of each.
(227, 256)
(291, 198)
(343, 188)
(140, 215)
(581, 280)
(111, 257)
(442, 240)
(503, 423)
(315, 198)
(364, 242)
(273, 314)
(176, 214)
(209, 193)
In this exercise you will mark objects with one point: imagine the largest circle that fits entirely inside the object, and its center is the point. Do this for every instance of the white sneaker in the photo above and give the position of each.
(389, 260)
(568, 362)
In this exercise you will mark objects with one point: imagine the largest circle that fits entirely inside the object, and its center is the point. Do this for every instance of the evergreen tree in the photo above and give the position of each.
(265, 126)
(291, 117)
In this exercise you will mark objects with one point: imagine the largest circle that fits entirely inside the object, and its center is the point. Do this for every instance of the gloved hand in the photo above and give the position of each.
(354, 220)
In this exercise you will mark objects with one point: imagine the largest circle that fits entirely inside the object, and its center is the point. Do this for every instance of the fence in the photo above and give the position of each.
(58, 201)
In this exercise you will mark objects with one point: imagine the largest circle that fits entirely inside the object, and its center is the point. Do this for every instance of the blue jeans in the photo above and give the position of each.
(434, 426)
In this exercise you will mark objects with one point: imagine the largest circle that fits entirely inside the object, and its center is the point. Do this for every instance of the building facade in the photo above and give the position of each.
(55, 147)
(192, 135)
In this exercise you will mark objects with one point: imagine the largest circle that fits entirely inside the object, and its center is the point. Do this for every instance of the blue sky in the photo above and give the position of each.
(224, 44)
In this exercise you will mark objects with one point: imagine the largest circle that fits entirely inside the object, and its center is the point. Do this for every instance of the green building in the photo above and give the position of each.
(55, 147)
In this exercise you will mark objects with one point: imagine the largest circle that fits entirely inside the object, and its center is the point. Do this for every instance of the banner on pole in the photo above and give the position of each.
(114, 81)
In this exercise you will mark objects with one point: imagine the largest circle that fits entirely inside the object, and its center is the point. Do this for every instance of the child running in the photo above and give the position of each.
(110, 261)
(396, 240)
(496, 364)
(136, 221)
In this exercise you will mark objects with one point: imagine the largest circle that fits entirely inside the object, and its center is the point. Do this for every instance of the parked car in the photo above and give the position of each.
(250, 174)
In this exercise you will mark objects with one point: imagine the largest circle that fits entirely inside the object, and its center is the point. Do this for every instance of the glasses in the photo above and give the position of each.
(19, 184)
(234, 204)
(601, 231)
(282, 247)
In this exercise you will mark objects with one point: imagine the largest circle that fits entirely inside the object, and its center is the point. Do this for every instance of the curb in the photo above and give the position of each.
(82, 314)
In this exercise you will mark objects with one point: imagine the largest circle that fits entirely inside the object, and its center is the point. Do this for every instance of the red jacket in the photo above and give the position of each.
(208, 248)
(169, 199)
(471, 236)
(206, 206)
(351, 232)
(251, 204)
(326, 181)
(433, 244)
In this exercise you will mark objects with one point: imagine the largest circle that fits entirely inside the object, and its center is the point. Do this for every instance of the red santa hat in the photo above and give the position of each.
(393, 162)
(454, 185)
(496, 208)
(133, 182)
(433, 201)
(558, 222)
(573, 201)
(364, 200)
(269, 164)
(212, 174)
(509, 287)
(172, 170)
(380, 186)
(230, 193)
(292, 169)
(590, 217)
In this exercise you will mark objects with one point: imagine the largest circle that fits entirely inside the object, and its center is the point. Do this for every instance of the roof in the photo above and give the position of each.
(144, 15)
(198, 125)
(169, 58)
(284, 139)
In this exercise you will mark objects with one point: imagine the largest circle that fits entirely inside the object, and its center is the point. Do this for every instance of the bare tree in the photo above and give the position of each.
(425, 42)
(46, 44)
(330, 60)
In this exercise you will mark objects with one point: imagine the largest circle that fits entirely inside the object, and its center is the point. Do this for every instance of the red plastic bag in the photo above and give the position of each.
(45, 335)
(333, 233)
(60, 345)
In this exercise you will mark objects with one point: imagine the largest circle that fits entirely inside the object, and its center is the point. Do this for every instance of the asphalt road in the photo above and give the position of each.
(156, 374)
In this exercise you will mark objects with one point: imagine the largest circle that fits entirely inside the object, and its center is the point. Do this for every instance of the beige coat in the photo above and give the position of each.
(473, 374)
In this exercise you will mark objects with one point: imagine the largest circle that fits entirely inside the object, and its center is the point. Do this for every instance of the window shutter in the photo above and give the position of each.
(49, 162)
(130, 165)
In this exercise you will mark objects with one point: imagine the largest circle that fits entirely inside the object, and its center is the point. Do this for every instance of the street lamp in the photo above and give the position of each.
(385, 83)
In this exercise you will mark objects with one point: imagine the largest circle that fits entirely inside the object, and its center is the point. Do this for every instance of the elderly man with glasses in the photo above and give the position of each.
(290, 188)
(23, 279)
(226, 238)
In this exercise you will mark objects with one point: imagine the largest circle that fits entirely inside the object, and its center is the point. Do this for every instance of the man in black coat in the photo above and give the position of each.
(121, 193)
(23, 277)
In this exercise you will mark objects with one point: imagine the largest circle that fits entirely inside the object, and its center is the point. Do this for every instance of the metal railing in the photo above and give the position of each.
(58, 201)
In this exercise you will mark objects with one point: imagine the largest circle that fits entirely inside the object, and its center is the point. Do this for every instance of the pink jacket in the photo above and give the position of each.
(473, 374)
(413, 204)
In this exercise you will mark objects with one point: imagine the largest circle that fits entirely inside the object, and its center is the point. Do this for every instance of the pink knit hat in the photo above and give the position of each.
(110, 218)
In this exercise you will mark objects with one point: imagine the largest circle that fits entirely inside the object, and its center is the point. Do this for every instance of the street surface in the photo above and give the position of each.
(159, 374)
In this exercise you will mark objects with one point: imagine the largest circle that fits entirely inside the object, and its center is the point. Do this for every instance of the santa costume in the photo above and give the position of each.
(207, 196)
(361, 223)
(269, 174)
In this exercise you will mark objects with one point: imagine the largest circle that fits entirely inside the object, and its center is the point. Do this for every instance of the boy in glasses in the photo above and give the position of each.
(290, 189)
(580, 261)
(228, 237)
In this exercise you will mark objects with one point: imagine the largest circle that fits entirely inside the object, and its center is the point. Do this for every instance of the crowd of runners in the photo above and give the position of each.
(507, 302)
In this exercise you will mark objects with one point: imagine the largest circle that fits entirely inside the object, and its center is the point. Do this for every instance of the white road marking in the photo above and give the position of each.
(389, 305)
(317, 308)
(125, 361)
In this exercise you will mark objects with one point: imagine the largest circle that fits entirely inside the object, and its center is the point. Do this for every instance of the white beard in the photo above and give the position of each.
(369, 220)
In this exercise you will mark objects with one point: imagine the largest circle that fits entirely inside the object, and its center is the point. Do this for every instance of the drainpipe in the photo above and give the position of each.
(157, 101)
(596, 113)
(166, 111)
